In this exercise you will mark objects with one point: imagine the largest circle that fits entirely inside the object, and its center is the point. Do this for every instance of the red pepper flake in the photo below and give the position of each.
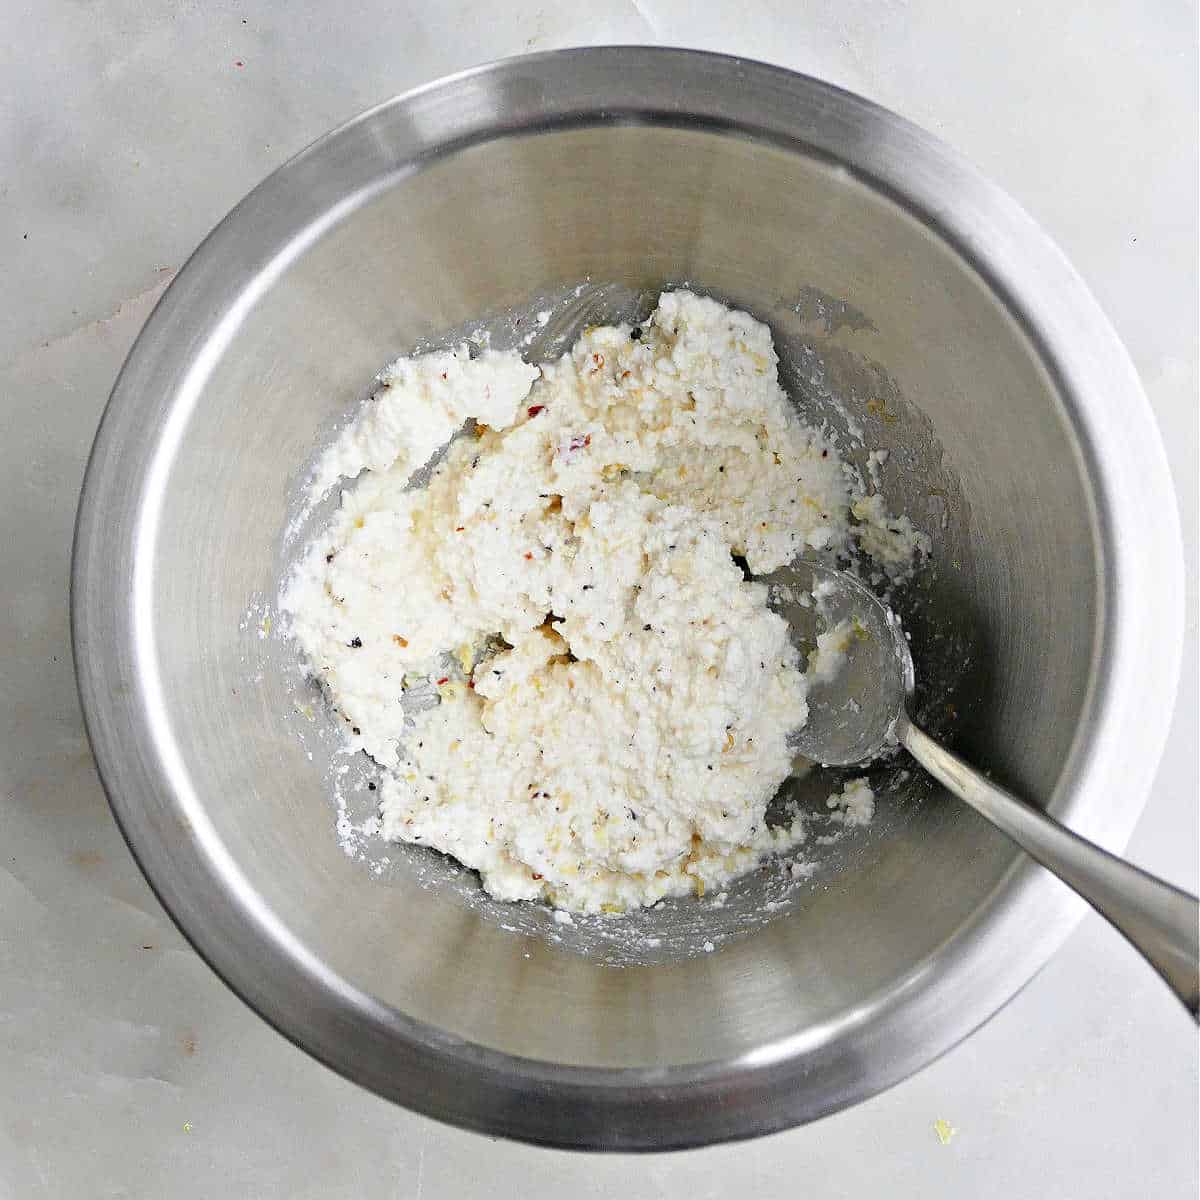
(471, 684)
(587, 441)
(534, 409)
(237, 62)
(536, 875)
(444, 679)
(444, 375)
(528, 554)
(459, 528)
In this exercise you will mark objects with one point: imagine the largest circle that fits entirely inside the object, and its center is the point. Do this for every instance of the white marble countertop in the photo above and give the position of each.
(128, 129)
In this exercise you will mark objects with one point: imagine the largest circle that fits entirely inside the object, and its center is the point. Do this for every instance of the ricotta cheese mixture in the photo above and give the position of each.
(550, 649)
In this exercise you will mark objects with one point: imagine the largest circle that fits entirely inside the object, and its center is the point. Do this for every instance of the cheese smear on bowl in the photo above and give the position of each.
(550, 649)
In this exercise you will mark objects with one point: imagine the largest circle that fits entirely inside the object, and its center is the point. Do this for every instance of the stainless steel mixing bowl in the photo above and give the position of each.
(896, 279)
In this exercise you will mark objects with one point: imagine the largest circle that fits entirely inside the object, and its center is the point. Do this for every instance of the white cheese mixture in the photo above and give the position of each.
(854, 804)
(614, 697)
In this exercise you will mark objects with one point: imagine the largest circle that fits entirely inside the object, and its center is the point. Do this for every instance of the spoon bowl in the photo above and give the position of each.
(860, 668)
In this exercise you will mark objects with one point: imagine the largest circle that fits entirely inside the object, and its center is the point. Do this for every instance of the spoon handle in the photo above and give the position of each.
(1161, 921)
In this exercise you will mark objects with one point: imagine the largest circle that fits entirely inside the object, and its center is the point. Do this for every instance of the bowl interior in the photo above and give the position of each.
(876, 318)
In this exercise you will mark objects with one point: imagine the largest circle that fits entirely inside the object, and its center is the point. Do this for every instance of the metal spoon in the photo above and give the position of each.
(860, 709)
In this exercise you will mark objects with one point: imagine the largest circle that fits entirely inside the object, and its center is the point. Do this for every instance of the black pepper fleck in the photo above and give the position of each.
(636, 333)
(371, 787)
(356, 643)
